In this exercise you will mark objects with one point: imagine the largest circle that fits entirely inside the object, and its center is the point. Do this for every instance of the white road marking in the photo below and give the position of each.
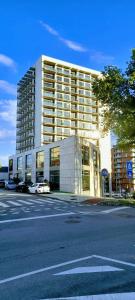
(3, 204)
(65, 264)
(25, 202)
(115, 260)
(14, 203)
(114, 209)
(96, 269)
(34, 218)
(117, 296)
(44, 269)
(36, 201)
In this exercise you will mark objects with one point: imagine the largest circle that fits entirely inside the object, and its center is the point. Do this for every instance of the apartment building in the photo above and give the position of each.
(55, 102)
(120, 180)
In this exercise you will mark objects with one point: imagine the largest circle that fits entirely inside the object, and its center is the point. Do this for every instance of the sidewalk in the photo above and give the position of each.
(68, 197)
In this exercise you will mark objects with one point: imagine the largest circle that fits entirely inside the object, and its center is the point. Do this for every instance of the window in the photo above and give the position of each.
(55, 156)
(19, 163)
(28, 161)
(48, 120)
(85, 155)
(49, 76)
(85, 180)
(48, 129)
(59, 87)
(59, 78)
(66, 71)
(10, 165)
(40, 159)
(28, 177)
(66, 79)
(95, 158)
(40, 176)
(66, 97)
(54, 179)
(48, 138)
(59, 70)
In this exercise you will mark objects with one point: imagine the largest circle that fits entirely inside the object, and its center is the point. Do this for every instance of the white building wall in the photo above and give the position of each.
(38, 102)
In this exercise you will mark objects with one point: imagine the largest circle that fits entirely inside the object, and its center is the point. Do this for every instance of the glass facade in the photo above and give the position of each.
(19, 163)
(28, 161)
(85, 155)
(55, 156)
(40, 159)
(85, 180)
(28, 177)
(54, 179)
(10, 165)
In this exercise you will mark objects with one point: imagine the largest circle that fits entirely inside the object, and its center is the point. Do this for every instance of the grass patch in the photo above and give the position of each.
(118, 202)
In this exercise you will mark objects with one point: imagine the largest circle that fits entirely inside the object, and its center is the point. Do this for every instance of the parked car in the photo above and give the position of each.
(23, 187)
(117, 195)
(39, 188)
(2, 183)
(10, 185)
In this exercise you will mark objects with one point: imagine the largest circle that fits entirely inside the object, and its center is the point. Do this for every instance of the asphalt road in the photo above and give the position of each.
(53, 249)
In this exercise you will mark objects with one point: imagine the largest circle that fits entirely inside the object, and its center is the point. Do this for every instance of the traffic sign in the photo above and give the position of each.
(129, 165)
(129, 174)
(104, 172)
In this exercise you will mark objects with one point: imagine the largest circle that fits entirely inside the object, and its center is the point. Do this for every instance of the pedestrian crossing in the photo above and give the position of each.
(28, 202)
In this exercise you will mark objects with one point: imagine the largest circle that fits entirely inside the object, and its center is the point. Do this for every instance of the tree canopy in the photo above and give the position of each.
(116, 92)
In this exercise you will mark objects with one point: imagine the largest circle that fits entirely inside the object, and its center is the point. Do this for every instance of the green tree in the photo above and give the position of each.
(116, 92)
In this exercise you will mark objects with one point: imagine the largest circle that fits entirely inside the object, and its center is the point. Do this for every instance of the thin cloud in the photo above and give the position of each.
(73, 45)
(100, 57)
(49, 28)
(8, 111)
(8, 87)
(70, 44)
(4, 160)
(7, 61)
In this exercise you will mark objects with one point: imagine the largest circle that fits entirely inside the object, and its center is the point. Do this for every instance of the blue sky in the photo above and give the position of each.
(89, 33)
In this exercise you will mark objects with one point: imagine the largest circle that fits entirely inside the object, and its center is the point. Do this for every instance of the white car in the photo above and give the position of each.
(36, 188)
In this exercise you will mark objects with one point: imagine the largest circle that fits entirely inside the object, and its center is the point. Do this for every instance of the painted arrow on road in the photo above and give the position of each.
(96, 269)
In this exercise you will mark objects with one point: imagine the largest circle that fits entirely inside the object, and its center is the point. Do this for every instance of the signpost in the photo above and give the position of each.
(129, 168)
(104, 173)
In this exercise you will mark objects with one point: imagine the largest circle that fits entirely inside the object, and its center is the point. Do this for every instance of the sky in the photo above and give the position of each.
(85, 32)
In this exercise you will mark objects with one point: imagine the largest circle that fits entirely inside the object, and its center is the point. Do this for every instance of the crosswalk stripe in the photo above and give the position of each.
(4, 204)
(36, 201)
(14, 203)
(25, 202)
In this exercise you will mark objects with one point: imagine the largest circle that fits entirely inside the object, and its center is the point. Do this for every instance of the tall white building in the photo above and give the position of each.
(55, 101)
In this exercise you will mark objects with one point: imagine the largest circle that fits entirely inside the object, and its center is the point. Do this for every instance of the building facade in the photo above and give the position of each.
(71, 165)
(55, 102)
(120, 180)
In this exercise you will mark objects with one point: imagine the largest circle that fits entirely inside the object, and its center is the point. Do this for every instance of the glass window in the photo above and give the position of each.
(66, 96)
(48, 129)
(66, 79)
(48, 138)
(85, 180)
(85, 155)
(54, 179)
(59, 78)
(48, 120)
(28, 177)
(49, 76)
(10, 165)
(95, 158)
(28, 161)
(19, 163)
(59, 70)
(59, 87)
(40, 176)
(40, 159)
(55, 156)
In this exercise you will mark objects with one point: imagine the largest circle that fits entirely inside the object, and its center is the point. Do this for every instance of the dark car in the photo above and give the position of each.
(22, 187)
(2, 183)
